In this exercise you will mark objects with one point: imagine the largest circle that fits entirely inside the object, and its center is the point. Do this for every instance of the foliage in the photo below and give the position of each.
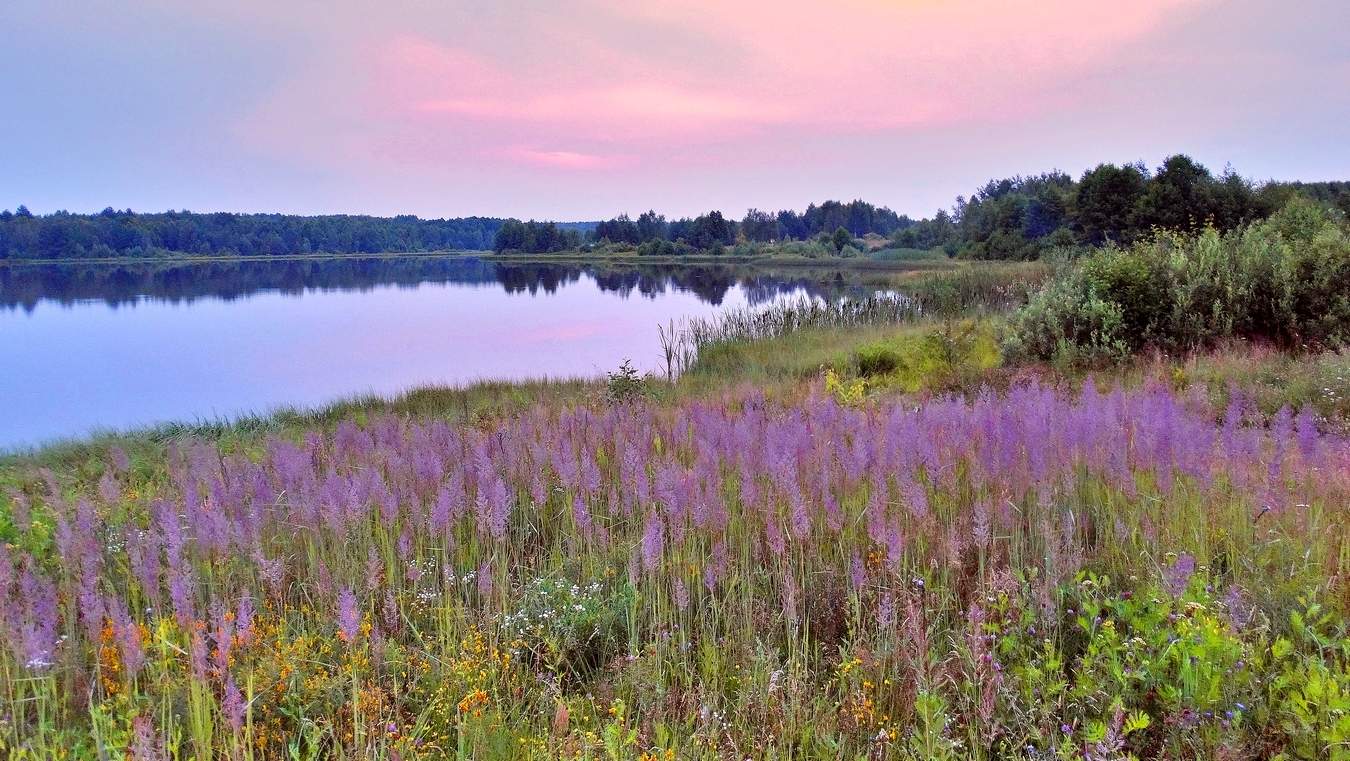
(845, 392)
(841, 239)
(951, 355)
(877, 359)
(993, 287)
(1280, 281)
(890, 254)
(534, 237)
(1028, 217)
(626, 384)
(1015, 218)
(569, 629)
(1068, 321)
(1309, 698)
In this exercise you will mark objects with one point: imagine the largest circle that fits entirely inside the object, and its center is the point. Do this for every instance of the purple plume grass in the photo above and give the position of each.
(348, 618)
(145, 742)
(232, 705)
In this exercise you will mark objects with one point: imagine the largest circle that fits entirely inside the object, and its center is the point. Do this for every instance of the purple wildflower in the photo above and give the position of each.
(348, 618)
(145, 745)
(233, 705)
(1177, 577)
(653, 541)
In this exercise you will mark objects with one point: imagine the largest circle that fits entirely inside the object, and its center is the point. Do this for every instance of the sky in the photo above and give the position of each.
(572, 109)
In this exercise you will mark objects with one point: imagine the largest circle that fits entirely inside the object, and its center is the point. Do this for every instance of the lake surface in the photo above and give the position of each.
(117, 346)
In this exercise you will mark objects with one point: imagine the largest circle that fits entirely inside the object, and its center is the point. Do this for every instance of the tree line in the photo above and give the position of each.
(652, 233)
(1011, 218)
(1022, 217)
(116, 234)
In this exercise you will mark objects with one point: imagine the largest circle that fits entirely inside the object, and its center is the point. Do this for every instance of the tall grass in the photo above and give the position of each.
(982, 289)
(977, 289)
(682, 344)
(1037, 574)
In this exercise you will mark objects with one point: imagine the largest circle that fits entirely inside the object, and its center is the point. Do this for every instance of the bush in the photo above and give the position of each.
(568, 628)
(951, 356)
(991, 287)
(625, 384)
(1281, 280)
(877, 359)
(661, 247)
(810, 249)
(1069, 322)
(956, 353)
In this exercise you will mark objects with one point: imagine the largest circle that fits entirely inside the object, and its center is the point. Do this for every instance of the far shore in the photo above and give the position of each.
(561, 257)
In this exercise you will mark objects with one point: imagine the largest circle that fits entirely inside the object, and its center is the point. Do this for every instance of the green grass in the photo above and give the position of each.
(1269, 379)
(907, 254)
(471, 403)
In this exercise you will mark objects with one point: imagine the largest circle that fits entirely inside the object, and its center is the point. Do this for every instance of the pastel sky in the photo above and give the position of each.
(573, 109)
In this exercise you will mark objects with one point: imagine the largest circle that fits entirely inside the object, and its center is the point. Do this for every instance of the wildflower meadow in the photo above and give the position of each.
(1039, 573)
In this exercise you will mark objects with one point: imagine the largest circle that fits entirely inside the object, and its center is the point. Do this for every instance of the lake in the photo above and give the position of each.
(90, 347)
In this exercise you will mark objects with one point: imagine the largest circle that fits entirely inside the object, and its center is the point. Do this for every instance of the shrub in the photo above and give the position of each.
(1281, 281)
(877, 359)
(841, 239)
(810, 249)
(950, 356)
(568, 628)
(662, 247)
(625, 384)
(1068, 321)
(1135, 284)
(992, 287)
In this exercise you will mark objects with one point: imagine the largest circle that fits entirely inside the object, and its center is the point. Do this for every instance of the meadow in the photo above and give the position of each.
(883, 530)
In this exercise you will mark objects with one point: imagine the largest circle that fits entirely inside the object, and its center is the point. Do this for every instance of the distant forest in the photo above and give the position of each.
(1012, 218)
(113, 233)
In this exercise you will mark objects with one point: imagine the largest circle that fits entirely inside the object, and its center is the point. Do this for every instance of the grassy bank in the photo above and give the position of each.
(765, 260)
(901, 261)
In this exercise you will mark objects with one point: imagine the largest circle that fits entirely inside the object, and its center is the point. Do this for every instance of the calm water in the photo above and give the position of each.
(90, 347)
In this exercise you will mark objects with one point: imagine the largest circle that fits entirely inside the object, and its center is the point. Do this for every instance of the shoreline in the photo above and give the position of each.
(564, 257)
(424, 398)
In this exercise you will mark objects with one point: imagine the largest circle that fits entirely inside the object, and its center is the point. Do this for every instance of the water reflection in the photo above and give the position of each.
(24, 286)
(126, 345)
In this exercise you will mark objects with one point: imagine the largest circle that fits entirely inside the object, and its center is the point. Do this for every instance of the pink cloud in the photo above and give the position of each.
(570, 90)
(651, 104)
(562, 159)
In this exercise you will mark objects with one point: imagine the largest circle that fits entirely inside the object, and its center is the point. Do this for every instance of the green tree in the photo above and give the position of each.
(1180, 196)
(510, 237)
(760, 225)
(712, 231)
(651, 226)
(841, 239)
(1105, 205)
